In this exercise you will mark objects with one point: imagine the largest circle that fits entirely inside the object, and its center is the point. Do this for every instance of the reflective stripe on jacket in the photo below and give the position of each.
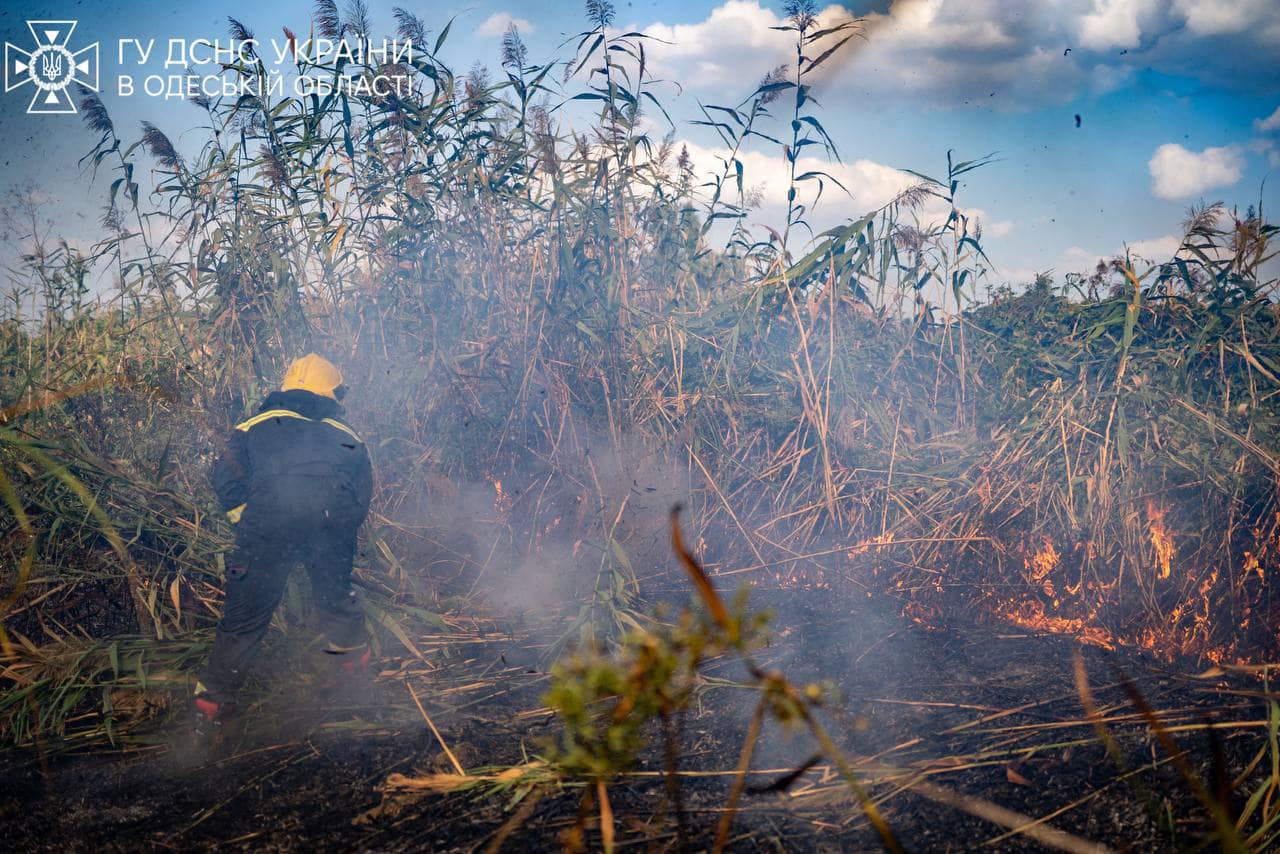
(295, 462)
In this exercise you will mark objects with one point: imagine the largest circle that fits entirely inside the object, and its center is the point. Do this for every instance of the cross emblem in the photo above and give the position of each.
(51, 67)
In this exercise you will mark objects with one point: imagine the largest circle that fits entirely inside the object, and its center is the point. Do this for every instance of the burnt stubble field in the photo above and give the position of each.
(970, 711)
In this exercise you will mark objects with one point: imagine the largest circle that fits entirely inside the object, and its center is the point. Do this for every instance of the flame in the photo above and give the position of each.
(1080, 582)
(1252, 565)
(1031, 615)
(1188, 631)
(1161, 540)
(925, 616)
(863, 546)
(501, 500)
(1043, 562)
(1039, 565)
(1211, 612)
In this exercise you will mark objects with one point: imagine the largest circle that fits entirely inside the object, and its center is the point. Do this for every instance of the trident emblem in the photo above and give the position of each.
(51, 64)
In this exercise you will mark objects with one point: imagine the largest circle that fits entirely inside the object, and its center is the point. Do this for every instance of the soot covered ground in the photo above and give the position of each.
(976, 710)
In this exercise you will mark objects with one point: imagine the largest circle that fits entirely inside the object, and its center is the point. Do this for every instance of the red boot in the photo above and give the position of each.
(351, 660)
(353, 665)
(209, 727)
(353, 685)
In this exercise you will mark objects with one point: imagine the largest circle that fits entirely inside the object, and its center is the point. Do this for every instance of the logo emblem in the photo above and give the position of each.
(52, 67)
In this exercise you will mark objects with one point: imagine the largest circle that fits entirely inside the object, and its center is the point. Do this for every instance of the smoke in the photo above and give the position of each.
(540, 540)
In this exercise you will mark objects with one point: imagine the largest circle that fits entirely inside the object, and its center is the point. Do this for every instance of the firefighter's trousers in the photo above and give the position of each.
(256, 573)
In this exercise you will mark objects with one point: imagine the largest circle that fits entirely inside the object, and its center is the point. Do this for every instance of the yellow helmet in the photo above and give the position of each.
(315, 374)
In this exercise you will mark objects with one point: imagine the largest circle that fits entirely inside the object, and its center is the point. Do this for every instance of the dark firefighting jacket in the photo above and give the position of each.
(294, 467)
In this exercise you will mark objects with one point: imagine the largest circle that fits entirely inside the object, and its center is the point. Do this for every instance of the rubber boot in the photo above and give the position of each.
(351, 678)
(353, 665)
(211, 725)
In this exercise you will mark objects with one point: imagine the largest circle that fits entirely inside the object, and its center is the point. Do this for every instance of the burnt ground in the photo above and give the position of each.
(976, 710)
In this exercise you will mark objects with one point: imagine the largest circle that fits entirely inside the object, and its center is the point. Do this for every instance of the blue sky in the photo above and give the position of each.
(1179, 101)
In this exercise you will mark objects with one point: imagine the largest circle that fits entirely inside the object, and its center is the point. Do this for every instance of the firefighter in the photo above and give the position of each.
(295, 482)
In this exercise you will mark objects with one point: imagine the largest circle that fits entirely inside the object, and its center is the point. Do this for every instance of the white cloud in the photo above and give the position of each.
(1115, 23)
(1077, 259)
(871, 185)
(1270, 123)
(998, 228)
(699, 54)
(1003, 228)
(497, 24)
(1154, 250)
(1225, 17)
(1157, 249)
(1266, 148)
(913, 48)
(1015, 275)
(1177, 173)
(1002, 54)
(1005, 54)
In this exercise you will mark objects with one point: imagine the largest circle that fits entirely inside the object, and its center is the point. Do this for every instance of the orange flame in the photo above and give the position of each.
(863, 546)
(1161, 540)
(1031, 615)
(1039, 565)
(1043, 562)
(501, 500)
